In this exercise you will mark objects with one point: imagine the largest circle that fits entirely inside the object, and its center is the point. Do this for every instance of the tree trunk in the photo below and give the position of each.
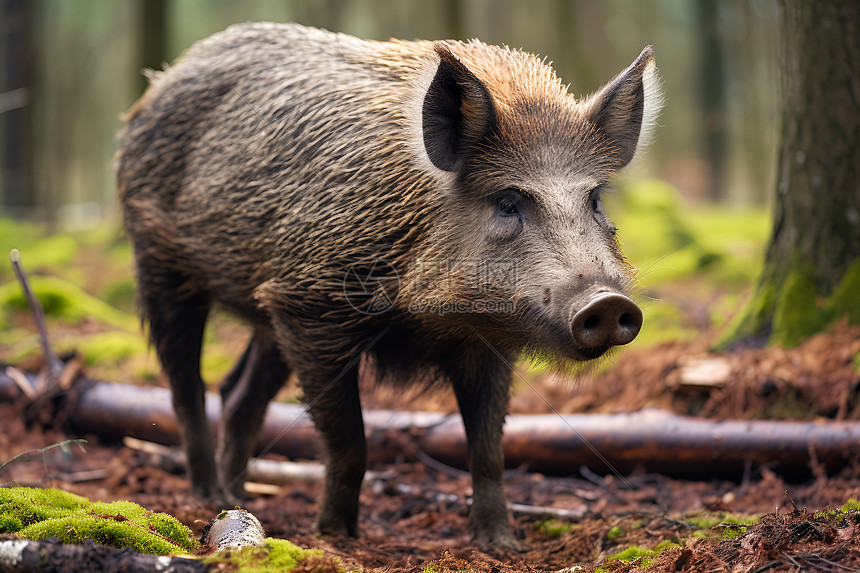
(152, 43)
(811, 273)
(15, 188)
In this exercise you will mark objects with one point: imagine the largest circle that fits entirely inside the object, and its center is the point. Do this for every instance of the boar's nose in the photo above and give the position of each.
(609, 319)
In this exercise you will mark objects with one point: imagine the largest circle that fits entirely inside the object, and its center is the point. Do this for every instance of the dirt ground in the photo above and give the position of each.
(415, 518)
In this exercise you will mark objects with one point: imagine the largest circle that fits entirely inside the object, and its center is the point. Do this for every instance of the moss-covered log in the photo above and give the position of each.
(811, 274)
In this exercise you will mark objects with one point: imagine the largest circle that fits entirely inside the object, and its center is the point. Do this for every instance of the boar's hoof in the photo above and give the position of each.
(498, 538)
(609, 319)
(336, 526)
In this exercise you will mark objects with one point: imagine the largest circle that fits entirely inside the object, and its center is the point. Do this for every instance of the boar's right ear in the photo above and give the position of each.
(457, 112)
(626, 108)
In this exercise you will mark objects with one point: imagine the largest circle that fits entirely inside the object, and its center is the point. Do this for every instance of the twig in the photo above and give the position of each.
(32, 453)
(794, 505)
(538, 511)
(55, 365)
(438, 466)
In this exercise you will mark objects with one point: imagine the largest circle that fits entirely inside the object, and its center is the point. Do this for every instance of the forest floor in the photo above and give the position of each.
(417, 520)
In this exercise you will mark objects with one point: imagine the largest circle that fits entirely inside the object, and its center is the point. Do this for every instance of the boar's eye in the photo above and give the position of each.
(507, 207)
(507, 203)
(597, 211)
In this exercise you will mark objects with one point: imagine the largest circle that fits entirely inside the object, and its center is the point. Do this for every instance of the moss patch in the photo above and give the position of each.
(615, 532)
(799, 311)
(635, 552)
(845, 300)
(34, 513)
(789, 312)
(553, 528)
(276, 555)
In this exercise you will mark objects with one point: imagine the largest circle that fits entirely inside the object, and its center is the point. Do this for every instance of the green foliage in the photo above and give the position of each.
(553, 528)
(111, 347)
(276, 555)
(40, 251)
(34, 513)
(62, 299)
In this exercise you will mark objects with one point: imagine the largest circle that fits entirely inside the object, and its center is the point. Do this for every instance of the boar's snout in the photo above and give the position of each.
(608, 319)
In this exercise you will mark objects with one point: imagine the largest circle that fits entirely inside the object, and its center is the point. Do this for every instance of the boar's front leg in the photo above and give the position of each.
(332, 398)
(481, 383)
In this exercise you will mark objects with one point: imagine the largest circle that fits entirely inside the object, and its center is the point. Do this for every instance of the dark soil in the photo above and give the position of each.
(419, 514)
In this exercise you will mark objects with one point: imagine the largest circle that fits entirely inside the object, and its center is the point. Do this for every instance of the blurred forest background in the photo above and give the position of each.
(71, 67)
(692, 214)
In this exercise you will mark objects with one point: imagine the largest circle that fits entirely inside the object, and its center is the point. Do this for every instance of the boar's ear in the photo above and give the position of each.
(457, 112)
(625, 109)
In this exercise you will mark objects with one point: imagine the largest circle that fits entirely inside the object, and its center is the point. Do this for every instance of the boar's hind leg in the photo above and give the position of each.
(176, 324)
(481, 385)
(245, 393)
(332, 398)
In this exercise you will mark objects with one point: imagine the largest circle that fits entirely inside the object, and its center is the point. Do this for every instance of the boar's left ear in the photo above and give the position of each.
(457, 112)
(626, 108)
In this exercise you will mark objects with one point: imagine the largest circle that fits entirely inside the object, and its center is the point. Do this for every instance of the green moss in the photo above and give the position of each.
(796, 309)
(553, 528)
(431, 568)
(10, 524)
(615, 533)
(664, 545)
(276, 555)
(709, 525)
(631, 553)
(732, 532)
(55, 513)
(799, 312)
(845, 300)
(733, 526)
(635, 552)
(851, 505)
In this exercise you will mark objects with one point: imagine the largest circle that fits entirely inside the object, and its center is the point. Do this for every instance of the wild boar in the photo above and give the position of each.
(431, 208)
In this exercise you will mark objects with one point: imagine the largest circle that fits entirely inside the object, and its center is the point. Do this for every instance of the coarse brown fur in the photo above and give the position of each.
(290, 173)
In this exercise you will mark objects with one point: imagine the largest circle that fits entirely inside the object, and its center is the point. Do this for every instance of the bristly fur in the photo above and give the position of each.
(279, 170)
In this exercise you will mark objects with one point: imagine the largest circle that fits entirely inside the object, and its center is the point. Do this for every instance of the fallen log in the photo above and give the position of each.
(658, 441)
(560, 445)
(24, 556)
